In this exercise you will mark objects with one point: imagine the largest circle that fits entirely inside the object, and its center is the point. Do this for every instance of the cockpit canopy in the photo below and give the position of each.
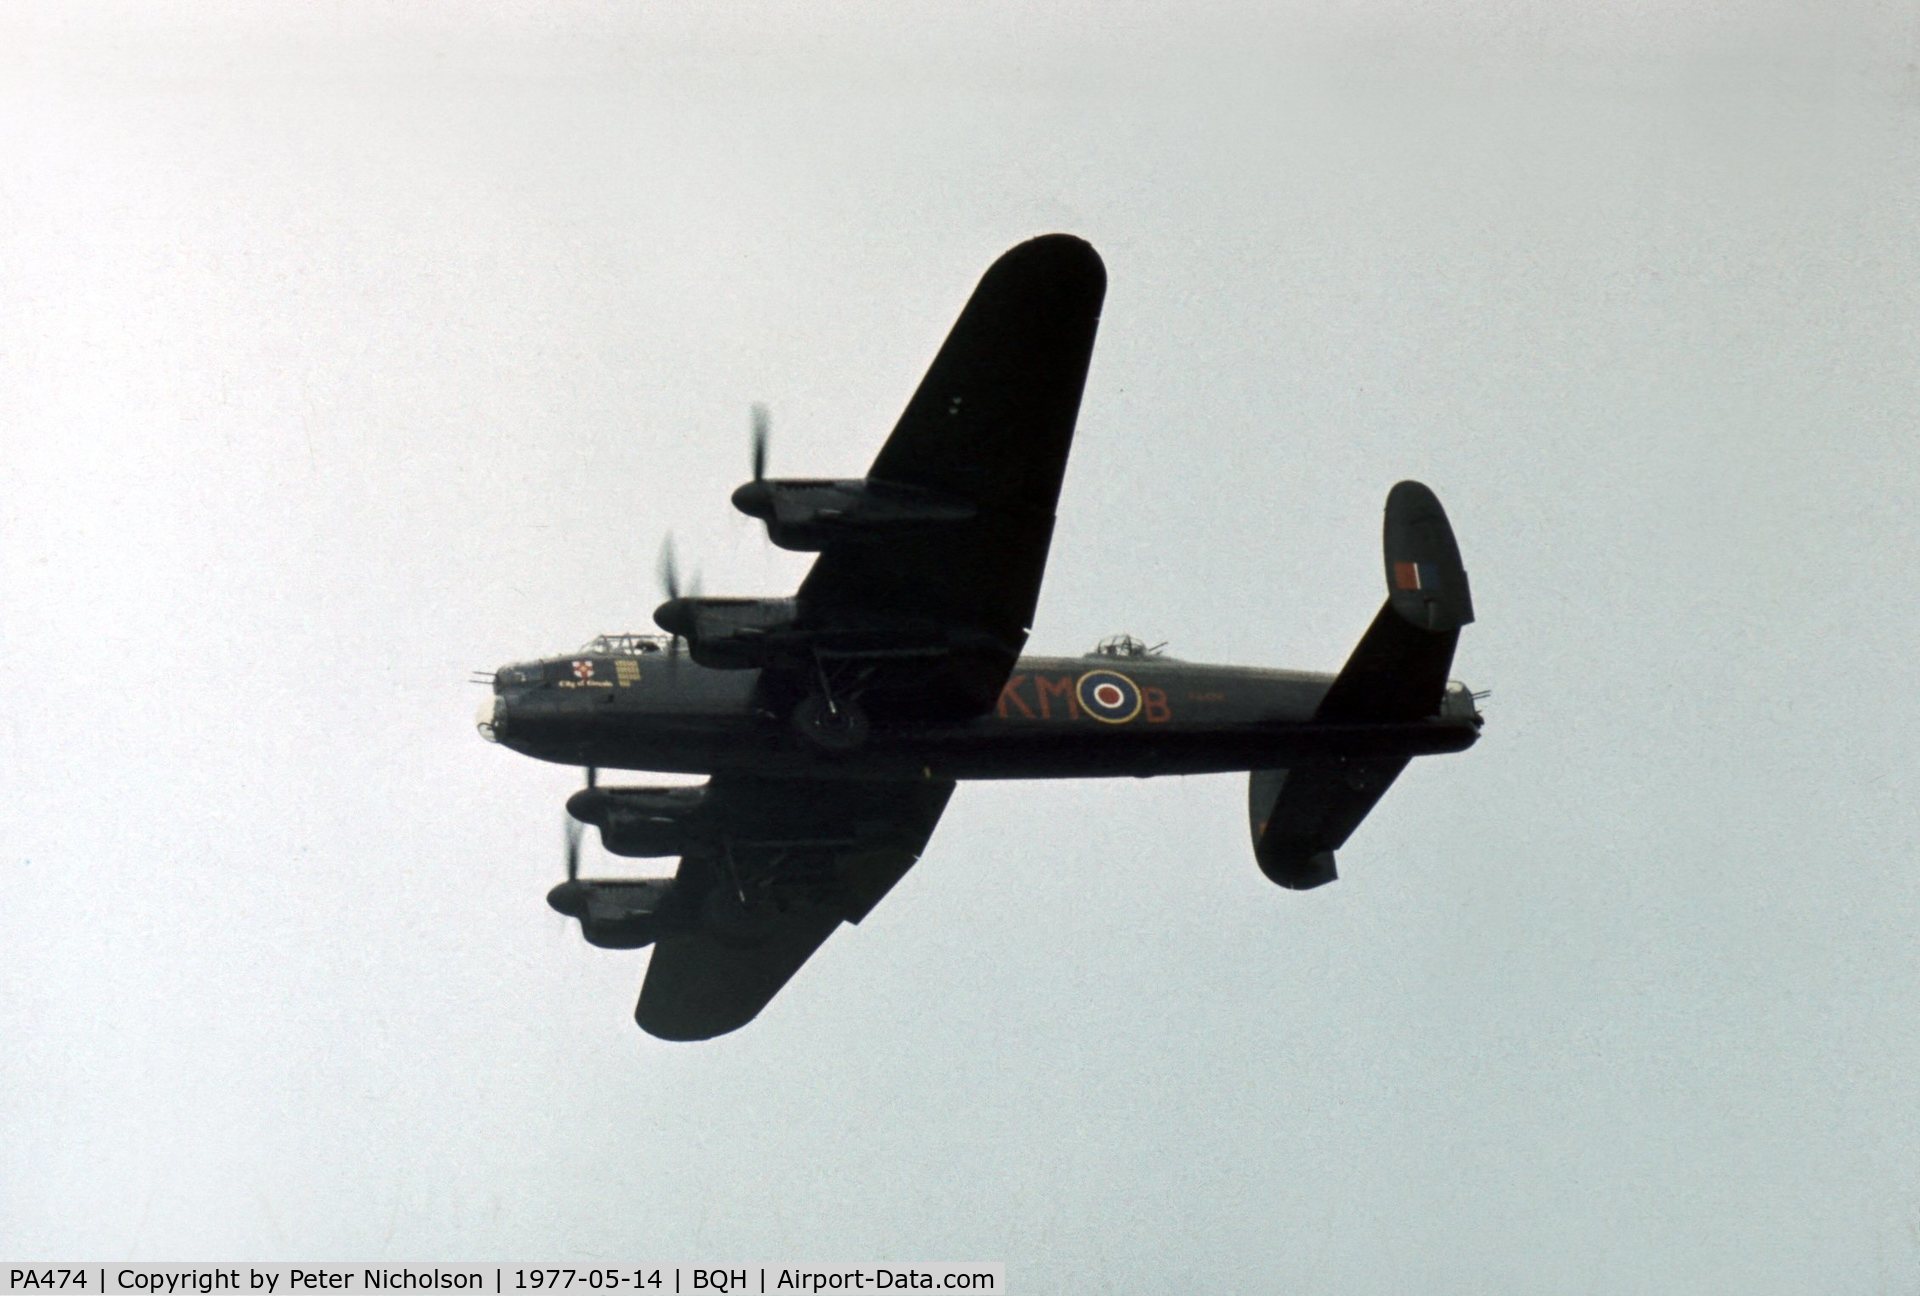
(1125, 645)
(546, 669)
(625, 645)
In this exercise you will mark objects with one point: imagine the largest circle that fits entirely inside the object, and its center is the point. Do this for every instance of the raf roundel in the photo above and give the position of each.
(1108, 696)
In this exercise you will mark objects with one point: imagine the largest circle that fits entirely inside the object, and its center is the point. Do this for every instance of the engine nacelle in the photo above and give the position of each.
(808, 515)
(729, 633)
(752, 634)
(616, 914)
(641, 821)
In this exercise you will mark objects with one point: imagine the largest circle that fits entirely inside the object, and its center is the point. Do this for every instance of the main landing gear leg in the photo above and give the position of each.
(832, 724)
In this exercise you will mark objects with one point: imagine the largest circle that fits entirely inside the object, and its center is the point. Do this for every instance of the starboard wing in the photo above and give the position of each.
(792, 859)
(990, 426)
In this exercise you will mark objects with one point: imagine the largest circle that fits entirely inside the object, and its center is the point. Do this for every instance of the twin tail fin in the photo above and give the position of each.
(1396, 674)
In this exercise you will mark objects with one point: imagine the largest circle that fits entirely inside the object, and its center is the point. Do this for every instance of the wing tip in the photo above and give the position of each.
(1059, 255)
(683, 1029)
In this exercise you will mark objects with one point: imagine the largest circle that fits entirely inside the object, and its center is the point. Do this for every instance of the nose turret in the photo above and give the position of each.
(492, 720)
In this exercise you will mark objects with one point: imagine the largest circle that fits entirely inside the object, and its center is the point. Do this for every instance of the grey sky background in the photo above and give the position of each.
(350, 348)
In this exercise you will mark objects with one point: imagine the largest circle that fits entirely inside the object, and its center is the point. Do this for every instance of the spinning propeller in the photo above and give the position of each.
(755, 499)
(669, 570)
(570, 896)
(575, 828)
(672, 613)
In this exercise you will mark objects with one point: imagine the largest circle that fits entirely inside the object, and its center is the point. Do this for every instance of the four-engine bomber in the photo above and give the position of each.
(834, 724)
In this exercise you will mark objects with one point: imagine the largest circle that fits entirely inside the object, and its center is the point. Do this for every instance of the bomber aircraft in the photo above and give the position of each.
(834, 724)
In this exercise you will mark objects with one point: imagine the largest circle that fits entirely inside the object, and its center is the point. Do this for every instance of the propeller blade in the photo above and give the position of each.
(670, 586)
(761, 425)
(676, 620)
(669, 568)
(573, 849)
(593, 776)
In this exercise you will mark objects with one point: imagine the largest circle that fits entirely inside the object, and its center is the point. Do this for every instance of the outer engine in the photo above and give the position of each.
(808, 515)
(641, 821)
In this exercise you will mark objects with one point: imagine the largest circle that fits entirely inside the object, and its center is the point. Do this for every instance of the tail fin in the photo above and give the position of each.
(1300, 817)
(1397, 674)
(1398, 671)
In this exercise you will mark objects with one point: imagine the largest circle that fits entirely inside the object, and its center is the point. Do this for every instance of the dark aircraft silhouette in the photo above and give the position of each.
(834, 724)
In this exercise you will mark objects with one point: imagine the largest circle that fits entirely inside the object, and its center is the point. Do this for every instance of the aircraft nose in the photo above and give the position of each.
(492, 720)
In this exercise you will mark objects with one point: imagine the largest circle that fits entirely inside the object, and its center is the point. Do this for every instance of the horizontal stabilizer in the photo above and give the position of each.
(1397, 674)
(1300, 817)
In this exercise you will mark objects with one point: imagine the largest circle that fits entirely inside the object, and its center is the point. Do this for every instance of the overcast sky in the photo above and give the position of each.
(349, 348)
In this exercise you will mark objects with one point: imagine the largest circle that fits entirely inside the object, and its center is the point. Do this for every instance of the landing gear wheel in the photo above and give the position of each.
(841, 727)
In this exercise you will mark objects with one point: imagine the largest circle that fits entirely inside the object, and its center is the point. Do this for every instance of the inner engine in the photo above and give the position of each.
(641, 821)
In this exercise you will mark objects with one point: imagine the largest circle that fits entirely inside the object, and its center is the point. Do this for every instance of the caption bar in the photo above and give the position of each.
(97, 1279)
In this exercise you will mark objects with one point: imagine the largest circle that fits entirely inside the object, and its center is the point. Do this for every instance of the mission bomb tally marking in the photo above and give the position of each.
(579, 675)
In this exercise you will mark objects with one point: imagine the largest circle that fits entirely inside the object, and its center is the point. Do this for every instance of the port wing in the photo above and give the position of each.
(787, 861)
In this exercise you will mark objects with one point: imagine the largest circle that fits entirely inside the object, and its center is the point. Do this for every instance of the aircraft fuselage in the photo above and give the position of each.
(1057, 717)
